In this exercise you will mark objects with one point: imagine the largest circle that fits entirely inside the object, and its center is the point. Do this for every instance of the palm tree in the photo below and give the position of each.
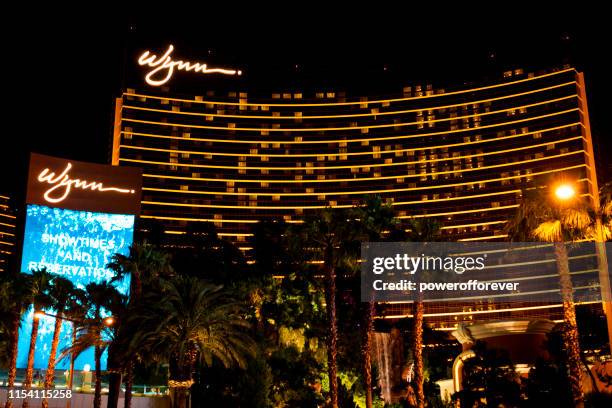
(543, 218)
(94, 330)
(420, 230)
(15, 300)
(40, 284)
(332, 236)
(60, 293)
(375, 217)
(189, 320)
(144, 264)
(601, 231)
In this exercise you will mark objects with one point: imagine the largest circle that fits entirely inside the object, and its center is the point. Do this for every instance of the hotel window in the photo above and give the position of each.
(375, 152)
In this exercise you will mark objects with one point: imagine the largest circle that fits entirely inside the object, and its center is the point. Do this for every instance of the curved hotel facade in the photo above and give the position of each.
(461, 155)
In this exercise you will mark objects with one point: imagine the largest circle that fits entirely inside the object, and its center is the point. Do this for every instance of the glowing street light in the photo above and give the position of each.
(109, 321)
(39, 314)
(565, 192)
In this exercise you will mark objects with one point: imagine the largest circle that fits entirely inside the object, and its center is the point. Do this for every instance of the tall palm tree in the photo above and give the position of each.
(420, 230)
(543, 218)
(15, 290)
(143, 265)
(60, 293)
(601, 232)
(40, 284)
(375, 217)
(332, 236)
(190, 320)
(93, 330)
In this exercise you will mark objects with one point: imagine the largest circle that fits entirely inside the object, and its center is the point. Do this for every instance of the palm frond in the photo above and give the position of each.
(548, 231)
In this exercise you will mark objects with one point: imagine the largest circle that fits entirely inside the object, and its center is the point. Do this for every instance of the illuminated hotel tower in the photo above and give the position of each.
(460, 155)
(7, 233)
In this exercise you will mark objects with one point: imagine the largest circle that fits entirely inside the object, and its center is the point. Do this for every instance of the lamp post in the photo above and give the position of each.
(565, 192)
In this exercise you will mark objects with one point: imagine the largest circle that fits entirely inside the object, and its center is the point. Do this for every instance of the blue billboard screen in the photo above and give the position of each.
(76, 245)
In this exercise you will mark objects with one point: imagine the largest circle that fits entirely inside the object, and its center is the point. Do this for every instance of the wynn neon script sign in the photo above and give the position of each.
(164, 66)
(62, 184)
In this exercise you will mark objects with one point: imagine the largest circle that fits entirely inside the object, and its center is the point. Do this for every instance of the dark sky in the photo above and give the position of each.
(65, 70)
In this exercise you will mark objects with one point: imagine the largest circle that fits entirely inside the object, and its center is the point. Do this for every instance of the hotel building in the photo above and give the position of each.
(8, 227)
(459, 154)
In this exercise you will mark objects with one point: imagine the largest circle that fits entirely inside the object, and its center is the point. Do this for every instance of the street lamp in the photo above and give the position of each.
(565, 192)
(109, 321)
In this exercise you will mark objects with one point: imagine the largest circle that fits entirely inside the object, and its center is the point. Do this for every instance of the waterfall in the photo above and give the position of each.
(382, 354)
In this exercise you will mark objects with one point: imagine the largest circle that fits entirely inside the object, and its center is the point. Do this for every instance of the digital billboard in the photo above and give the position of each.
(78, 216)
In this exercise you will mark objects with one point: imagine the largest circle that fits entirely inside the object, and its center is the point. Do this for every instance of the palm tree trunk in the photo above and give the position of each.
(570, 332)
(30, 368)
(332, 335)
(114, 389)
(50, 374)
(114, 378)
(129, 381)
(98, 387)
(179, 397)
(12, 371)
(366, 351)
(418, 352)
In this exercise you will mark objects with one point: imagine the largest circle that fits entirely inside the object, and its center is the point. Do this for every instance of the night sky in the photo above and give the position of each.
(65, 71)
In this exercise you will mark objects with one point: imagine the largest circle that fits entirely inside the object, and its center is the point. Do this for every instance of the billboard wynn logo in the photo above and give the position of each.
(62, 185)
(164, 66)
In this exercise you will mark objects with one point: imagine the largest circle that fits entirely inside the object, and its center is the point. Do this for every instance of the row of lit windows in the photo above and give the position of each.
(363, 101)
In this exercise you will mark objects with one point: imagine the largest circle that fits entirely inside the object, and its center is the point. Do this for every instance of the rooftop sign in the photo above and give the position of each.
(163, 67)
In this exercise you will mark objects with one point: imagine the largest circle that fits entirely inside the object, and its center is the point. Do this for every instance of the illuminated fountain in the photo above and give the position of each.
(388, 355)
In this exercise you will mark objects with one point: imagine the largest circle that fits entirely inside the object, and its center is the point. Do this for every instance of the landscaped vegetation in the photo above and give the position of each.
(287, 327)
